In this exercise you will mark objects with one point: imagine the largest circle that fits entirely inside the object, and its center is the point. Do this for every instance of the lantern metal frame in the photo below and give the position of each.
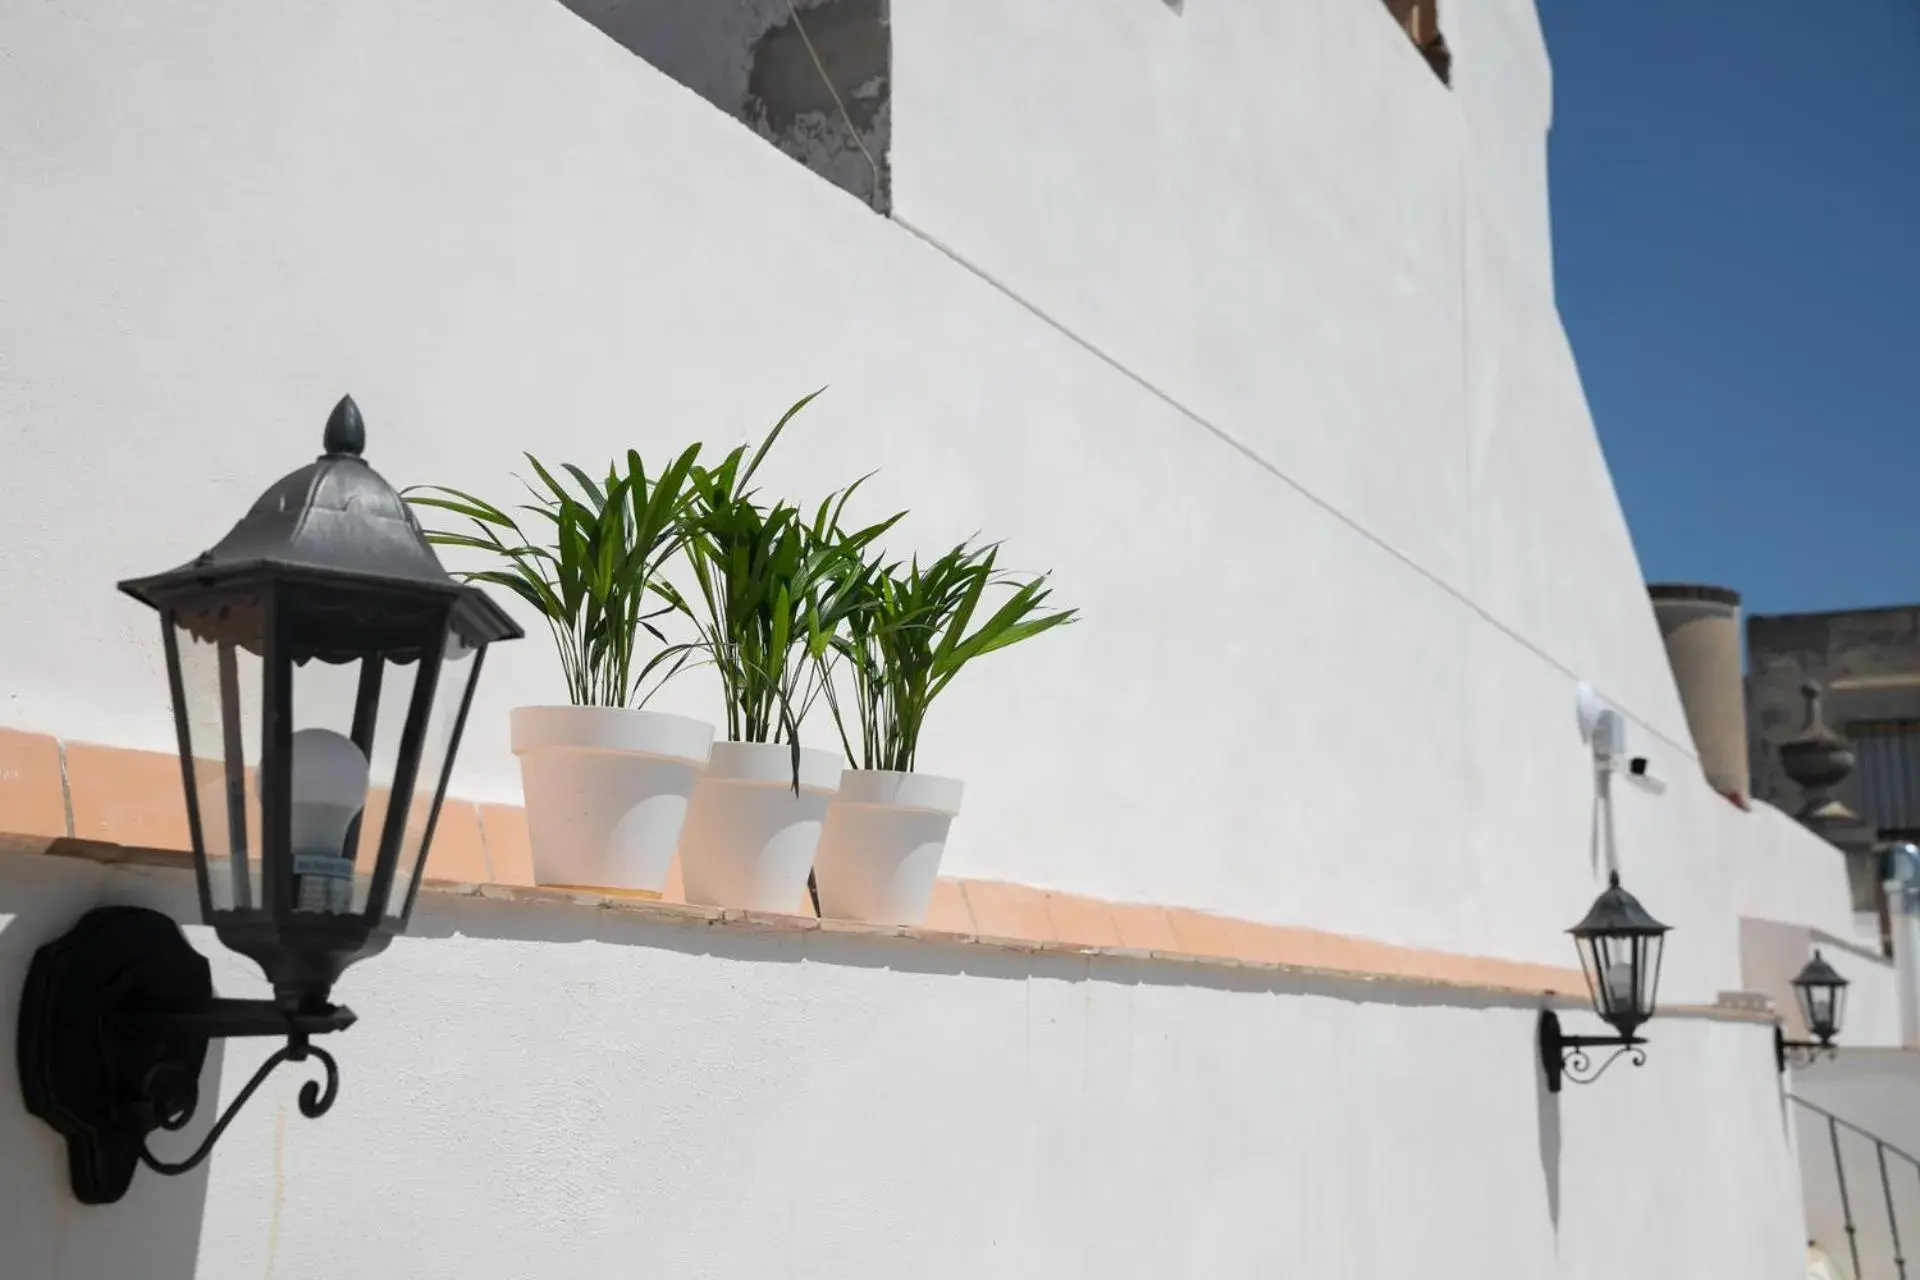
(117, 1014)
(1615, 921)
(1823, 1021)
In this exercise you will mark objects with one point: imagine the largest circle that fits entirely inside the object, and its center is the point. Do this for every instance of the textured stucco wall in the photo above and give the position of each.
(1269, 374)
(566, 1093)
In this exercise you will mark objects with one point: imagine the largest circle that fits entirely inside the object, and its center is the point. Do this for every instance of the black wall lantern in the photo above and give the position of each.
(1619, 946)
(321, 664)
(1821, 993)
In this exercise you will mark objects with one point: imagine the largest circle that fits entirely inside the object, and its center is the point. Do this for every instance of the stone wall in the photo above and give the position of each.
(1867, 661)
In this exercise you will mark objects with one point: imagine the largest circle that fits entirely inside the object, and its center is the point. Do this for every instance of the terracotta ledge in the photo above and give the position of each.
(1366, 962)
(114, 796)
(117, 805)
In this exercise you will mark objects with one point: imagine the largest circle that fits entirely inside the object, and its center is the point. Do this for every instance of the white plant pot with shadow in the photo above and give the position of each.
(608, 790)
(750, 835)
(881, 847)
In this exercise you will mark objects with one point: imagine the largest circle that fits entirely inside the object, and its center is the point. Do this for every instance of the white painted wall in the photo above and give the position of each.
(1873, 996)
(1283, 222)
(566, 1093)
(1283, 399)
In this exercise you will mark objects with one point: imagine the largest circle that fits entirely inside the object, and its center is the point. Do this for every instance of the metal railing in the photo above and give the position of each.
(1881, 1150)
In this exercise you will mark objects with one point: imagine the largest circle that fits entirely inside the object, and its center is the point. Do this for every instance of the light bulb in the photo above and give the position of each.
(1620, 985)
(329, 790)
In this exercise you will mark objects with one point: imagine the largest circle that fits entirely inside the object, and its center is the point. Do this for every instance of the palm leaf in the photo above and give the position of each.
(606, 545)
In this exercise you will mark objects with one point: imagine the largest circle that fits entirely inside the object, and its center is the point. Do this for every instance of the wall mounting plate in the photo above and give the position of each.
(101, 1083)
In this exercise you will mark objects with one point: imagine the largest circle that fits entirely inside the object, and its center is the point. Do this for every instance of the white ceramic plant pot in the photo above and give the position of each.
(607, 791)
(881, 847)
(749, 840)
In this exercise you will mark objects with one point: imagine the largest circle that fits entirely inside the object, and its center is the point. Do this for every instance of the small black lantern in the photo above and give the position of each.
(1620, 946)
(321, 663)
(1821, 993)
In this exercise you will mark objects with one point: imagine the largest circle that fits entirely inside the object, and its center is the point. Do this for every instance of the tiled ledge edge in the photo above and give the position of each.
(1406, 968)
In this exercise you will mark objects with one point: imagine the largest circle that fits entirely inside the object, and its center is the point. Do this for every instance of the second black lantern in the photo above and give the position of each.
(1821, 993)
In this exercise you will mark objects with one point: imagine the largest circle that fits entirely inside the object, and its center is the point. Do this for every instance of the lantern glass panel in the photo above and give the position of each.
(1616, 971)
(459, 667)
(1816, 1002)
(347, 721)
(1821, 1007)
(1589, 967)
(1649, 948)
(1623, 973)
(351, 724)
(215, 654)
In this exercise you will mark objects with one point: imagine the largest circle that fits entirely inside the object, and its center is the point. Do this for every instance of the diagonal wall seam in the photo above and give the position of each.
(1247, 451)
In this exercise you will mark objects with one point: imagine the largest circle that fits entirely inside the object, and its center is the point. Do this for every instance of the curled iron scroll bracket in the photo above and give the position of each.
(1800, 1053)
(1578, 1066)
(315, 1100)
(1564, 1057)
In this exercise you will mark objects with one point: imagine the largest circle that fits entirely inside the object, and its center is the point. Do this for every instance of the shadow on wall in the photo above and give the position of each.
(1549, 1115)
(151, 1234)
(523, 922)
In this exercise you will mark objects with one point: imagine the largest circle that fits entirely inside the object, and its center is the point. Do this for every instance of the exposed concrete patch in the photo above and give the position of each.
(751, 59)
(835, 123)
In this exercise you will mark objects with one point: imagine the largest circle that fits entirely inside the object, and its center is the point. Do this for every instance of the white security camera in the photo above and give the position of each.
(1605, 730)
(1637, 774)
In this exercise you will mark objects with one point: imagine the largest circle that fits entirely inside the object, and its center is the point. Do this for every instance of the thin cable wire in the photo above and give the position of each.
(845, 116)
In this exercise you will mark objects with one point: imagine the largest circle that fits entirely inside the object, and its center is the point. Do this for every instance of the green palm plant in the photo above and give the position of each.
(773, 590)
(589, 562)
(907, 636)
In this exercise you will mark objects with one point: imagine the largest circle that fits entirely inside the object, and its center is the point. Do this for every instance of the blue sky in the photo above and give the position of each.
(1736, 209)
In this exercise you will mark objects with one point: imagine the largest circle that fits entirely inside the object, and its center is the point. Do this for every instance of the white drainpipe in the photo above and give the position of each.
(1903, 915)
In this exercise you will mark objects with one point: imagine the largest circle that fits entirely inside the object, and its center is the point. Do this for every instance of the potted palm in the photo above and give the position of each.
(607, 782)
(899, 648)
(772, 590)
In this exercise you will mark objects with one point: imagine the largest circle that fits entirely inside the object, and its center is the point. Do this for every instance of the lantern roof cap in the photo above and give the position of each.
(335, 519)
(1818, 973)
(1616, 913)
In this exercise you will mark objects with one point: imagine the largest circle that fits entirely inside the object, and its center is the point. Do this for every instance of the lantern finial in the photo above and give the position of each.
(346, 432)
